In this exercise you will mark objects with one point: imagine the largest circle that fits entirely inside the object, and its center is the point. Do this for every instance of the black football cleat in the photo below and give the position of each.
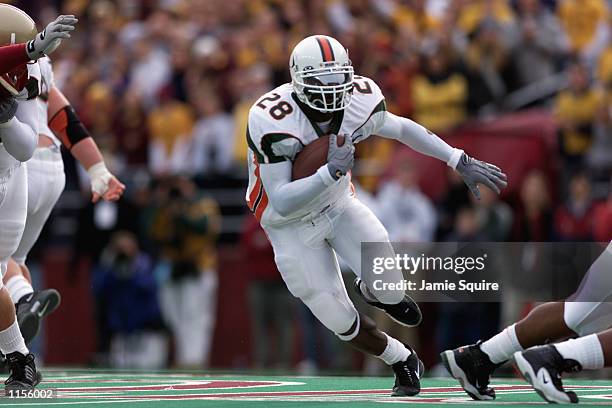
(407, 312)
(472, 368)
(23, 373)
(33, 307)
(408, 376)
(542, 368)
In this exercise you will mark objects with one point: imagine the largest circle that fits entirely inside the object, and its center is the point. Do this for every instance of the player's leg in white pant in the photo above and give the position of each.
(589, 310)
(13, 204)
(311, 272)
(13, 207)
(358, 224)
(309, 267)
(46, 181)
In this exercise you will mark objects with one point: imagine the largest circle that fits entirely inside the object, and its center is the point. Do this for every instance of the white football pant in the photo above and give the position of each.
(46, 181)
(13, 205)
(589, 310)
(305, 254)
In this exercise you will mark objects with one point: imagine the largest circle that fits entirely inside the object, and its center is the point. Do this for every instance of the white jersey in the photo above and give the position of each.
(46, 84)
(25, 112)
(278, 129)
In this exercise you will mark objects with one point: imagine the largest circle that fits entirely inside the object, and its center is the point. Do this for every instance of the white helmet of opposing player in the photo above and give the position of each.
(322, 73)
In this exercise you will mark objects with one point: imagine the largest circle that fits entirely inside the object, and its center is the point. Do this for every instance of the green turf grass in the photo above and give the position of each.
(102, 389)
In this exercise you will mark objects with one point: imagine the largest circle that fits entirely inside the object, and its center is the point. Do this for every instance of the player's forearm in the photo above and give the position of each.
(67, 126)
(87, 153)
(289, 196)
(19, 139)
(11, 56)
(419, 138)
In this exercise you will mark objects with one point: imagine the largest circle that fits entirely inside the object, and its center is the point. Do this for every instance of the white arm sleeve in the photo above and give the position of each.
(288, 196)
(418, 138)
(20, 134)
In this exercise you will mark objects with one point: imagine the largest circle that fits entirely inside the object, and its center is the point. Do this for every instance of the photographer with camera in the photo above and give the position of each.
(185, 226)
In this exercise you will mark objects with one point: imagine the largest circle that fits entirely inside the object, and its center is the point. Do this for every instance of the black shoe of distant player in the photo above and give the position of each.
(23, 374)
(542, 368)
(407, 312)
(408, 376)
(472, 368)
(33, 307)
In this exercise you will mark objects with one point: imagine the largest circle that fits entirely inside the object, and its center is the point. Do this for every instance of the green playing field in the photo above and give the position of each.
(103, 389)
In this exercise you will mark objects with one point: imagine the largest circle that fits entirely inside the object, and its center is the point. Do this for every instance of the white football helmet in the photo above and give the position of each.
(15, 27)
(322, 73)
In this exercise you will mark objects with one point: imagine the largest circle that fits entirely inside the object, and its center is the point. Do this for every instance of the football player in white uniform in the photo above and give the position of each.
(310, 220)
(46, 182)
(18, 135)
(587, 311)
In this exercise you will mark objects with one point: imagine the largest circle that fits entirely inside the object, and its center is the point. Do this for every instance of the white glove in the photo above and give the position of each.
(50, 38)
(340, 159)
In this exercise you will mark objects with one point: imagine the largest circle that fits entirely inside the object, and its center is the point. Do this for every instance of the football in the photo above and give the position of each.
(312, 156)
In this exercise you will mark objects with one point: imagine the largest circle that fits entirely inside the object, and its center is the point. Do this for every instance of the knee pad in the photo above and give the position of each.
(337, 314)
(590, 308)
(585, 318)
(291, 271)
(387, 296)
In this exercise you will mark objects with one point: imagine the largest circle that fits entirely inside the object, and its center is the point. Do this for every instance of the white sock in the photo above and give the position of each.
(18, 286)
(394, 352)
(502, 346)
(11, 340)
(585, 350)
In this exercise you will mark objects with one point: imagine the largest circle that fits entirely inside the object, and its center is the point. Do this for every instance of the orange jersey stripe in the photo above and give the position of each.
(258, 192)
(256, 188)
(261, 207)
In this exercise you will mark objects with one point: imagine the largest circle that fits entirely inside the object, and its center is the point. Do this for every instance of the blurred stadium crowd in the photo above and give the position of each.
(165, 87)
